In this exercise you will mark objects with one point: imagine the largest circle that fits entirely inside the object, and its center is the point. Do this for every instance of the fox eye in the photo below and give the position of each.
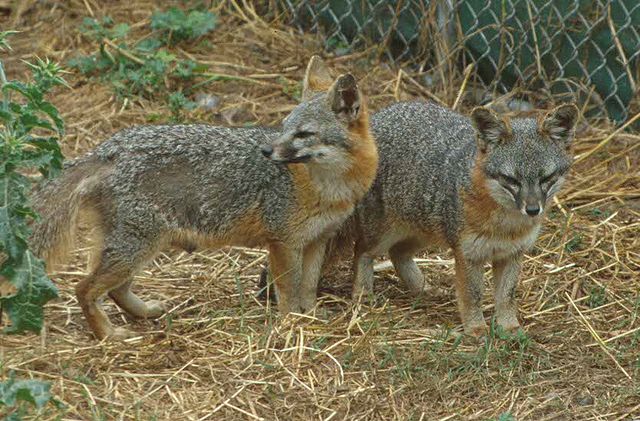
(509, 180)
(303, 134)
(549, 178)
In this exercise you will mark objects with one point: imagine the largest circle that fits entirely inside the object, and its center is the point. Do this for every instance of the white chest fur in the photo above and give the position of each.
(497, 245)
(322, 226)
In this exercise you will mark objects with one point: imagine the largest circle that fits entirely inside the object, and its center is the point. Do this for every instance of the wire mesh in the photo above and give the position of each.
(588, 50)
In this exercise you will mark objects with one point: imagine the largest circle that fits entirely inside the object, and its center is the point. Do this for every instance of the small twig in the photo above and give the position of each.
(145, 396)
(467, 74)
(423, 90)
(223, 76)
(535, 40)
(618, 44)
(123, 52)
(397, 85)
(630, 412)
(86, 4)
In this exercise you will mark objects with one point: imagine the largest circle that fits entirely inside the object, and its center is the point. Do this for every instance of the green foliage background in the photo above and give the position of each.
(571, 37)
(593, 38)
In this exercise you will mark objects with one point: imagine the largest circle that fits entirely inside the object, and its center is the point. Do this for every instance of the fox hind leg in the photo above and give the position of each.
(90, 290)
(362, 276)
(133, 305)
(401, 256)
(123, 251)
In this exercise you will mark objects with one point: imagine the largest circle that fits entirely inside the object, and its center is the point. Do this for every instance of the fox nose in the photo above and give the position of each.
(532, 210)
(267, 150)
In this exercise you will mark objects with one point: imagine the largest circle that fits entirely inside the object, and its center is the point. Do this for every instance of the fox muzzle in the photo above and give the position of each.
(285, 154)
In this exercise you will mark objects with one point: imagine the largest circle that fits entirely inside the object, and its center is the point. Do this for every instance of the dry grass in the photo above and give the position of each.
(221, 354)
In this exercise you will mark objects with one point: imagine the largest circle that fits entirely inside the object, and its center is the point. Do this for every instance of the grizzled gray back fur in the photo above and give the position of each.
(194, 176)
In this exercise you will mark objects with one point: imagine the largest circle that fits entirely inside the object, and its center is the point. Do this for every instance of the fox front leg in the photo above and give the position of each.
(286, 269)
(311, 272)
(469, 290)
(505, 275)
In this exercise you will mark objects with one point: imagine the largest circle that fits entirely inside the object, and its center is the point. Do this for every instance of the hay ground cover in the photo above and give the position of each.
(222, 354)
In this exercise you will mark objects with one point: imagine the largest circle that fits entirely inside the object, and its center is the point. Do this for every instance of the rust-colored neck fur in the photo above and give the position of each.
(364, 158)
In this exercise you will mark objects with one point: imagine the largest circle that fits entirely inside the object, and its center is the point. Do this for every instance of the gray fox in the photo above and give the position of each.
(478, 185)
(149, 187)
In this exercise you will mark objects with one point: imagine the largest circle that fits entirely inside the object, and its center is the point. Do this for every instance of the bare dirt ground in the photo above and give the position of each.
(221, 354)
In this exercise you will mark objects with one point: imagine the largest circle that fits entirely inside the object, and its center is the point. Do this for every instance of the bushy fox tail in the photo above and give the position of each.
(58, 202)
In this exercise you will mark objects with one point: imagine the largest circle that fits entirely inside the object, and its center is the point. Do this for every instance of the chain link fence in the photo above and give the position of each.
(588, 50)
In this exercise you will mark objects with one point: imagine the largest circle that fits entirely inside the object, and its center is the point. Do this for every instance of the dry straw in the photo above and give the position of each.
(221, 354)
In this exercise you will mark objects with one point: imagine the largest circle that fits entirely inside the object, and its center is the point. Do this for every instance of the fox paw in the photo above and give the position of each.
(420, 287)
(511, 329)
(508, 323)
(155, 309)
(285, 307)
(120, 334)
(307, 304)
(477, 331)
(364, 295)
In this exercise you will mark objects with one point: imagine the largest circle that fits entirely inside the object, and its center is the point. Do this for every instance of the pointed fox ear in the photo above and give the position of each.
(316, 78)
(560, 123)
(344, 98)
(490, 128)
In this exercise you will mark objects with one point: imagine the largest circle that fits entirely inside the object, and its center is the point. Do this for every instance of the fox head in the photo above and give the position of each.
(525, 160)
(323, 128)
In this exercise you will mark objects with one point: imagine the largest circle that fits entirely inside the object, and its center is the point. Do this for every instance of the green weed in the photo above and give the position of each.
(574, 244)
(176, 25)
(32, 128)
(597, 297)
(147, 68)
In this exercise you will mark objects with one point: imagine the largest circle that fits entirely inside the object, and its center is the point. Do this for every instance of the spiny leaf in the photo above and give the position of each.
(24, 89)
(50, 150)
(34, 290)
(35, 392)
(4, 45)
(13, 231)
(47, 74)
(6, 116)
(103, 29)
(12, 242)
(49, 109)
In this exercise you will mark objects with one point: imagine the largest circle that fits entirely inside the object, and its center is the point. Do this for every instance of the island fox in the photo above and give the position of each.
(148, 187)
(478, 185)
